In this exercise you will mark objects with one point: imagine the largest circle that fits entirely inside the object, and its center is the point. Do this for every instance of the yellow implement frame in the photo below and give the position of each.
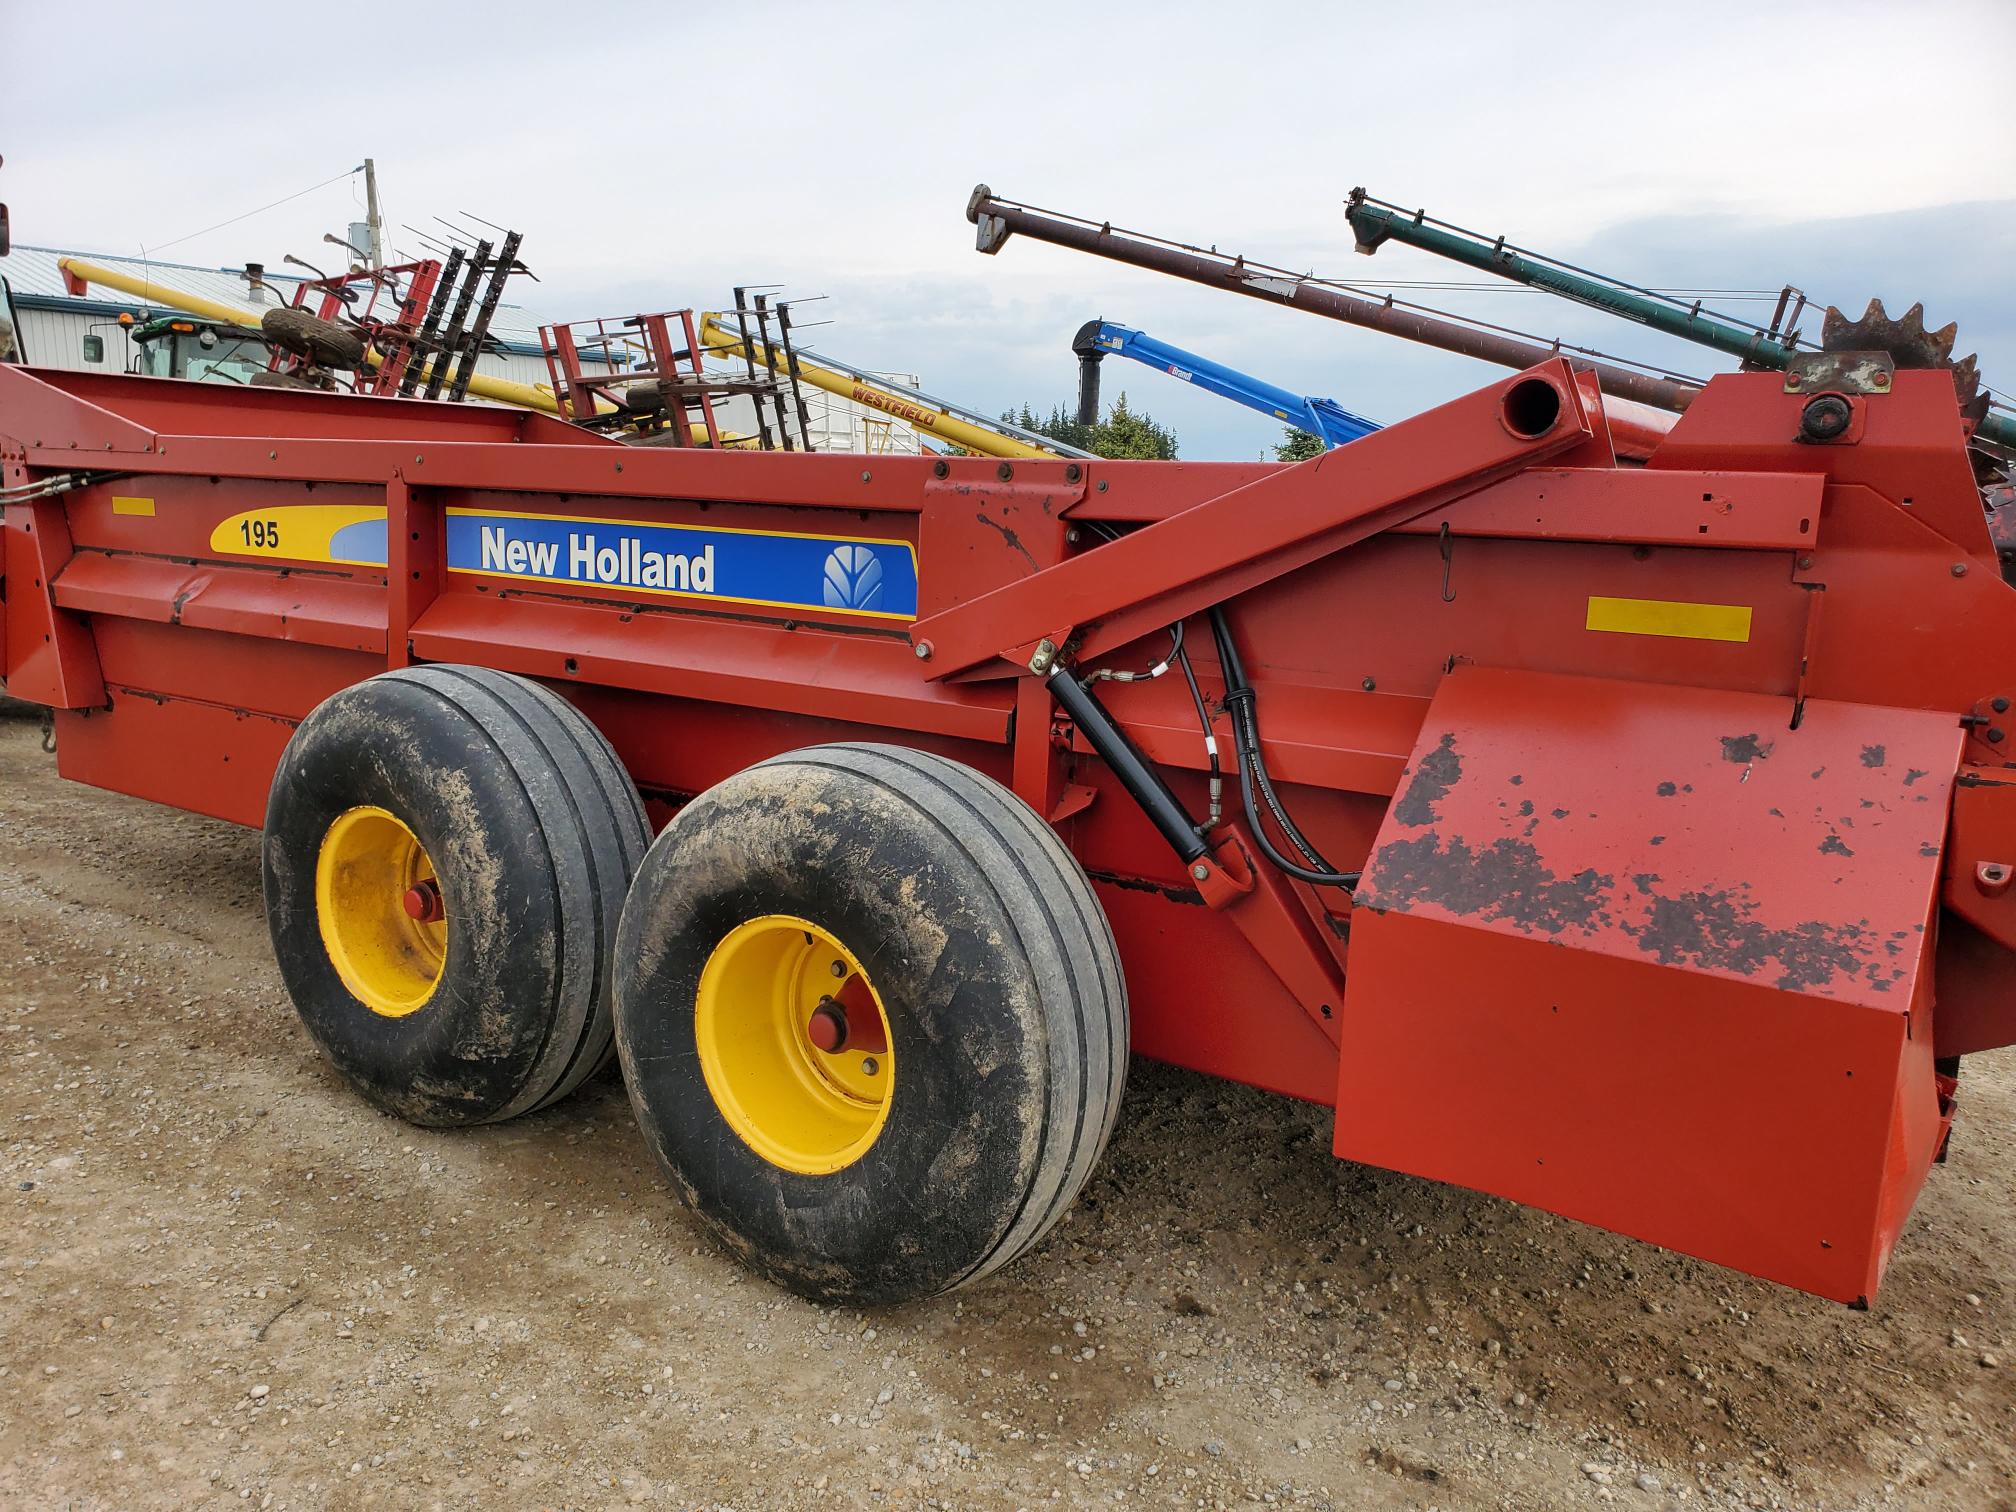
(718, 338)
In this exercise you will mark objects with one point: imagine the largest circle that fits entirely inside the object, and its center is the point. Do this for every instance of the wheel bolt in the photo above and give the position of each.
(423, 902)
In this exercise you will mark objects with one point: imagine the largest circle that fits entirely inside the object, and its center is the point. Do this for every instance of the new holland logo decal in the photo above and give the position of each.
(777, 569)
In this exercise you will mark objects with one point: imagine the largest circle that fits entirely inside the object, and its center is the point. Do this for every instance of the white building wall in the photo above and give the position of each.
(55, 339)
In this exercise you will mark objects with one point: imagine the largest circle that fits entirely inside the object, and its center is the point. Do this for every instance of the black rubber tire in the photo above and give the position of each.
(312, 337)
(997, 971)
(535, 831)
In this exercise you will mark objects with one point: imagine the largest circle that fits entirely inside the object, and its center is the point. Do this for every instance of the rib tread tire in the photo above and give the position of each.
(712, 866)
(545, 798)
(1056, 905)
(595, 798)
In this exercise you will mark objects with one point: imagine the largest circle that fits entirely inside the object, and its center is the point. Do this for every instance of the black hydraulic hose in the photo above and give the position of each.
(1239, 699)
(1241, 702)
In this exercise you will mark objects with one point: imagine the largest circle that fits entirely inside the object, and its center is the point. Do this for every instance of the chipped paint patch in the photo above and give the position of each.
(1709, 929)
(1439, 771)
(1744, 749)
(1717, 930)
(1505, 880)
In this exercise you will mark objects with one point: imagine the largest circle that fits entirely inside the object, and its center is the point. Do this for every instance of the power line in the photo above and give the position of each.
(347, 173)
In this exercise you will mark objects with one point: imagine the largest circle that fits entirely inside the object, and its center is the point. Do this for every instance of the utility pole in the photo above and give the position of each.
(371, 216)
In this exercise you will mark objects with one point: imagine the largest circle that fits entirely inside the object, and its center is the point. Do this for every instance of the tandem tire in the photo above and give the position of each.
(446, 854)
(871, 1019)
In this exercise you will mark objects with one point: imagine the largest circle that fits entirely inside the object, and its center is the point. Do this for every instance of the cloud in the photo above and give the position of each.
(656, 156)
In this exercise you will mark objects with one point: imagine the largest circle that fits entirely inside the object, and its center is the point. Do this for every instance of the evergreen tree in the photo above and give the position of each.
(1298, 445)
(1123, 433)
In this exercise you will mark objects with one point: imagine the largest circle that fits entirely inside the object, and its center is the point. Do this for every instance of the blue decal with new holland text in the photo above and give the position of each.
(837, 574)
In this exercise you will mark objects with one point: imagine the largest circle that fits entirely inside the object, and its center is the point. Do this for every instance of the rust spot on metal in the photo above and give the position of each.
(1439, 771)
(1874, 756)
(1927, 848)
(1526, 809)
(1658, 840)
(1505, 880)
(1668, 789)
(1833, 845)
(1744, 749)
(1914, 774)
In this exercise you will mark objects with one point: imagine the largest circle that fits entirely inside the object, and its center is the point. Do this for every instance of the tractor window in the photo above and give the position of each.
(210, 358)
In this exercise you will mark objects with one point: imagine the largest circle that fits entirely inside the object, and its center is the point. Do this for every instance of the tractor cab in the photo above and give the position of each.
(208, 351)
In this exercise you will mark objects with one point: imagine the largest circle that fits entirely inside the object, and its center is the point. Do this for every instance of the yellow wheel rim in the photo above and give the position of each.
(795, 1044)
(377, 899)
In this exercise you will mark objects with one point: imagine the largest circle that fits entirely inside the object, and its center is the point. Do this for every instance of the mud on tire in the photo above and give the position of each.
(312, 337)
(512, 807)
(997, 980)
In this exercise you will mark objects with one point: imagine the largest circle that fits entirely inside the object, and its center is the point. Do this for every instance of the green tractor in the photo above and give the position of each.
(208, 351)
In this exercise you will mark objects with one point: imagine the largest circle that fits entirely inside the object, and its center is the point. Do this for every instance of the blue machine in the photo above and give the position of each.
(1098, 339)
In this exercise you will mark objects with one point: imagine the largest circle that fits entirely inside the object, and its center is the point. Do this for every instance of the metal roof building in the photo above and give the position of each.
(54, 322)
(83, 333)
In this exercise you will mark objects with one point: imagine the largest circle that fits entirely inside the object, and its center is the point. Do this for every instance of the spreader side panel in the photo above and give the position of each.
(1657, 960)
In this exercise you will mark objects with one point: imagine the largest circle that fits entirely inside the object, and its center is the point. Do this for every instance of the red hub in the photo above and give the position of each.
(827, 1028)
(423, 902)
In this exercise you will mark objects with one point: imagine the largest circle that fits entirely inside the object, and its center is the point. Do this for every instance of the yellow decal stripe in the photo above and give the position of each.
(1631, 616)
(131, 506)
(300, 533)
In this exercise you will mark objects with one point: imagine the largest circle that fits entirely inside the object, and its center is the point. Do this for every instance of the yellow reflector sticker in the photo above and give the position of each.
(127, 506)
(1630, 616)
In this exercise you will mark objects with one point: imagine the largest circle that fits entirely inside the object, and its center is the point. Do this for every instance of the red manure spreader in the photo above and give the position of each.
(1633, 841)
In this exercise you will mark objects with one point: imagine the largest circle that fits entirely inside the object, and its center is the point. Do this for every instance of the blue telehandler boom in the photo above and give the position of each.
(1098, 339)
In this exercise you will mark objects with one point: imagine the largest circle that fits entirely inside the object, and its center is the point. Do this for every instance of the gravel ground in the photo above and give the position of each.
(226, 1282)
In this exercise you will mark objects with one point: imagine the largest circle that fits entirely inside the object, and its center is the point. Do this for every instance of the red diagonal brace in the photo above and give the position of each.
(1217, 549)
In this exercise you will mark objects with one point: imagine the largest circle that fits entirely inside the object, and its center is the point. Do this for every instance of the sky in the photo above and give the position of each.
(657, 155)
